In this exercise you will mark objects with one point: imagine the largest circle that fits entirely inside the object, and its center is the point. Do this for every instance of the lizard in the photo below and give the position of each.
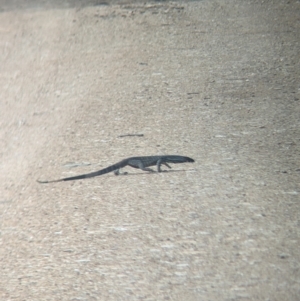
(142, 163)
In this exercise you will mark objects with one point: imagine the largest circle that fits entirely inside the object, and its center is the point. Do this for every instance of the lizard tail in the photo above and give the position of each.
(92, 174)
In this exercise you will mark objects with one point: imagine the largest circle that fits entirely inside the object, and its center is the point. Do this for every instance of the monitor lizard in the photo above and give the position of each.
(137, 162)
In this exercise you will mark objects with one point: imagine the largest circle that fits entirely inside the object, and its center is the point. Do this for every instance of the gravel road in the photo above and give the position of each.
(218, 81)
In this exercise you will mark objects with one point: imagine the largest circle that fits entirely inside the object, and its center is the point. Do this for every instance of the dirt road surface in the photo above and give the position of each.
(214, 80)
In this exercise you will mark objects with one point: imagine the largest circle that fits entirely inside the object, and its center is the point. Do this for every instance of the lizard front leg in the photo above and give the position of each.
(165, 163)
(142, 167)
(159, 163)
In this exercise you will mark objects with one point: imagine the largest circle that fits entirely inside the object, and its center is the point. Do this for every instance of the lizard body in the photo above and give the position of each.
(136, 162)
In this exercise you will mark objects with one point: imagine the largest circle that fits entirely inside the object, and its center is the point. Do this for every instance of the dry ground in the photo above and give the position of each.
(215, 80)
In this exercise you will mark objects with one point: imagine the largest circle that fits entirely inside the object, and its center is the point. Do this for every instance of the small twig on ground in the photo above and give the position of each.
(131, 135)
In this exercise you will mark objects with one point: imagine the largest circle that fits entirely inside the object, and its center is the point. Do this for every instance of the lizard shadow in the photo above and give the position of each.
(147, 173)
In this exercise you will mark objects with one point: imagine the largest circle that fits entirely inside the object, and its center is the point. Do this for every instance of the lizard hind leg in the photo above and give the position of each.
(117, 172)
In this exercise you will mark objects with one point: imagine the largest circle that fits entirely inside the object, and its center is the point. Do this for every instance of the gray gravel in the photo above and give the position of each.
(217, 81)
